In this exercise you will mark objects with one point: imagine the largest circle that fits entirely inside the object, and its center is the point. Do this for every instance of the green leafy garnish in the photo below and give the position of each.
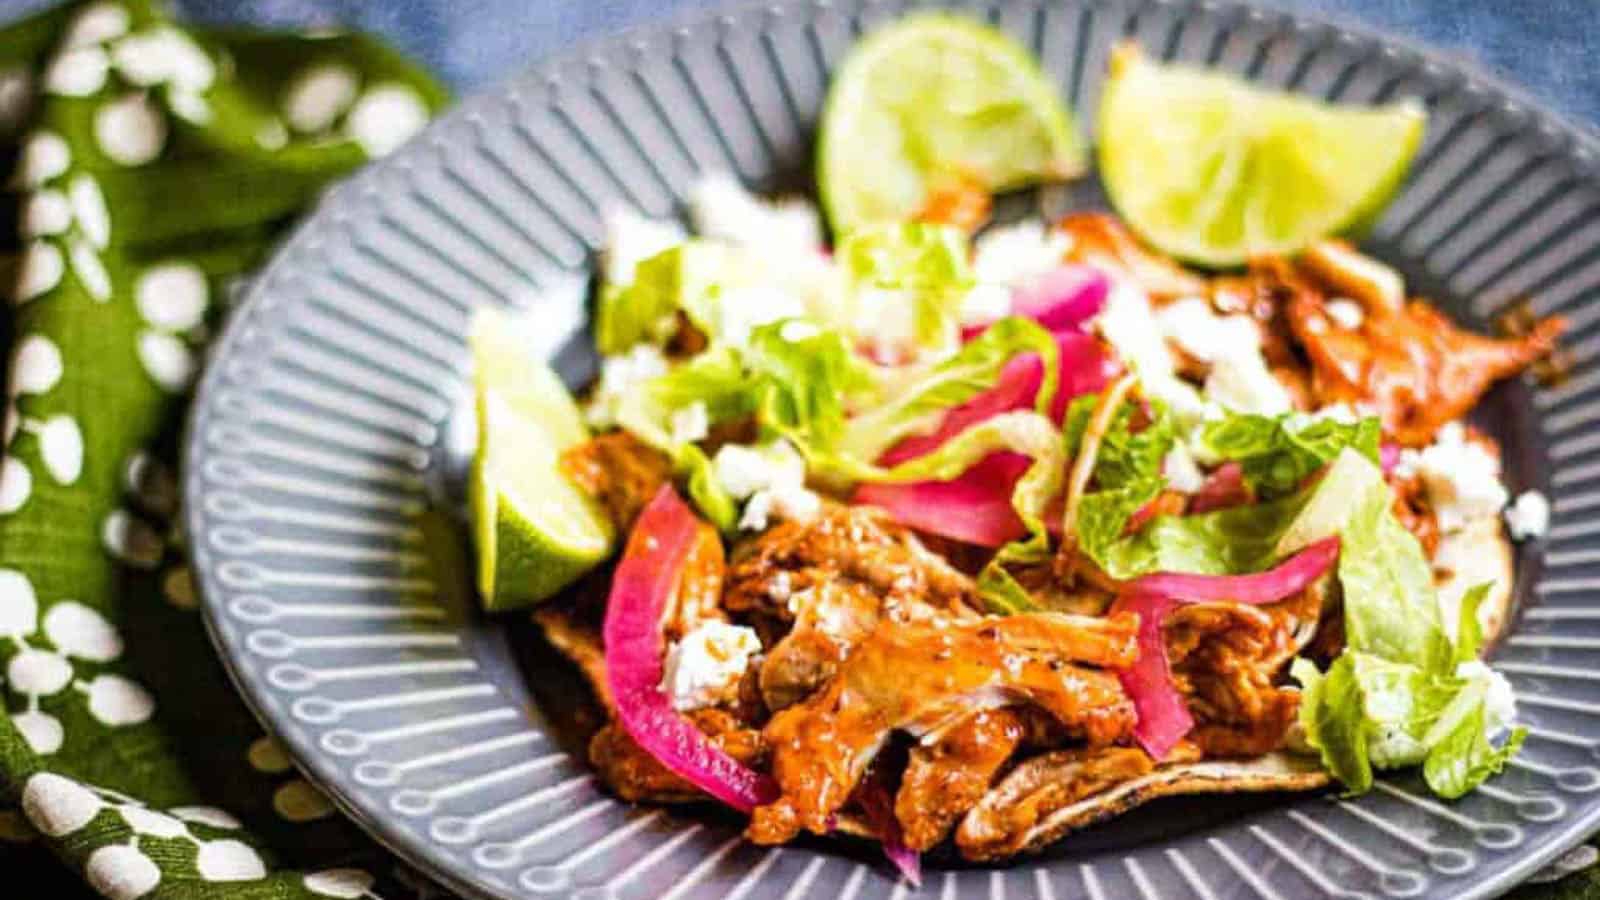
(685, 277)
(802, 379)
(906, 282)
(971, 371)
(1127, 473)
(1402, 692)
(1462, 757)
(1278, 453)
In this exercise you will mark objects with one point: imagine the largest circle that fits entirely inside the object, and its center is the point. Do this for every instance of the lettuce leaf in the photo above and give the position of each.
(1230, 541)
(971, 371)
(1416, 695)
(804, 379)
(1127, 454)
(1469, 628)
(705, 491)
(1333, 715)
(686, 277)
(1462, 757)
(1391, 607)
(1127, 476)
(714, 379)
(1278, 453)
(906, 282)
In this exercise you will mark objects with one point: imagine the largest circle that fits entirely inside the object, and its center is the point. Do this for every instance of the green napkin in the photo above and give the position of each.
(151, 167)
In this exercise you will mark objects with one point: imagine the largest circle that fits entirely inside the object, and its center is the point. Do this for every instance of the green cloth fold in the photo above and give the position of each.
(152, 167)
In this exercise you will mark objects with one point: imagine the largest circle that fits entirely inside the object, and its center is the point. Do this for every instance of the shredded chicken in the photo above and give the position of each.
(961, 201)
(1412, 509)
(946, 778)
(846, 542)
(1104, 242)
(925, 676)
(1413, 366)
(618, 470)
(636, 776)
(1344, 269)
(1225, 661)
(831, 617)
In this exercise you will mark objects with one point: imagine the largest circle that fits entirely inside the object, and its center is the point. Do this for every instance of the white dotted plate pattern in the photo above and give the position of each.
(326, 423)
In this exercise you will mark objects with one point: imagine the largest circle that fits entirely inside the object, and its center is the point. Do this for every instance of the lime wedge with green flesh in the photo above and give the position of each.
(536, 532)
(931, 101)
(1213, 171)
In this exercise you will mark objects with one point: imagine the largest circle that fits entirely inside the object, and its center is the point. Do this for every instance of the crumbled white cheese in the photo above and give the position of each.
(720, 207)
(1529, 517)
(690, 423)
(796, 330)
(1462, 478)
(741, 310)
(1242, 382)
(1345, 313)
(1190, 323)
(621, 375)
(1012, 254)
(1183, 474)
(1389, 706)
(1239, 379)
(705, 668)
(984, 302)
(742, 470)
(770, 478)
(1500, 701)
(886, 318)
(1004, 258)
(631, 239)
(792, 502)
(1128, 324)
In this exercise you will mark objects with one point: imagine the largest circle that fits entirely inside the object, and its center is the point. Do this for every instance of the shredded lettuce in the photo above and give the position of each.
(803, 380)
(1278, 453)
(1391, 607)
(684, 277)
(1127, 476)
(1403, 692)
(973, 370)
(1462, 757)
(906, 282)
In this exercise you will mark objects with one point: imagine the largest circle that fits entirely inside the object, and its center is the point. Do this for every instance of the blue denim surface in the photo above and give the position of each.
(1549, 47)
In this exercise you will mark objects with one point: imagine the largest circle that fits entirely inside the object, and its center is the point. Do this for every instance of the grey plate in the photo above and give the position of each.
(329, 420)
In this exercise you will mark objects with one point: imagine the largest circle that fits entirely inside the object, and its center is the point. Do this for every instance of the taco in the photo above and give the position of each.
(1251, 515)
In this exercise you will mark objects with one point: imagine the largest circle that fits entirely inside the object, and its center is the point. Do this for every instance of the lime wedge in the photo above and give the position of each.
(931, 101)
(535, 532)
(1213, 170)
